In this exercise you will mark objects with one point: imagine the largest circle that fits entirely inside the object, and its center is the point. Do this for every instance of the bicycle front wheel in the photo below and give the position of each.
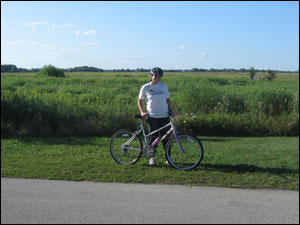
(125, 147)
(186, 153)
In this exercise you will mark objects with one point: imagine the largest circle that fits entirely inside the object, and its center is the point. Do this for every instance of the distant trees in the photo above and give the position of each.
(84, 69)
(142, 70)
(13, 69)
(197, 70)
(9, 69)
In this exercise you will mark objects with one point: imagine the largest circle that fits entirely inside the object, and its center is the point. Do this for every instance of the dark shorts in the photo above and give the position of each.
(156, 123)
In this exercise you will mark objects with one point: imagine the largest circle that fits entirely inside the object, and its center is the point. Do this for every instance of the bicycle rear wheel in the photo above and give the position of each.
(191, 155)
(125, 147)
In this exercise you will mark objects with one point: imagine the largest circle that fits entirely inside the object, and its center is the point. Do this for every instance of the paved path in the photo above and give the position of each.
(42, 201)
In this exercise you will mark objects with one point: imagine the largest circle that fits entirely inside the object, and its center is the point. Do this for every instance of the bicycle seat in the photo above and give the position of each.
(137, 116)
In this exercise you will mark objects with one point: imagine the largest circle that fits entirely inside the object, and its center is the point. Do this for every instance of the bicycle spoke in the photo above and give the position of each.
(125, 147)
(191, 155)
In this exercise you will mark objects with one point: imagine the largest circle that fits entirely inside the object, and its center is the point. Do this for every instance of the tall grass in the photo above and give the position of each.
(97, 106)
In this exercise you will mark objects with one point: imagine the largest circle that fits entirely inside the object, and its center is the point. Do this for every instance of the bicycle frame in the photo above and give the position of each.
(141, 129)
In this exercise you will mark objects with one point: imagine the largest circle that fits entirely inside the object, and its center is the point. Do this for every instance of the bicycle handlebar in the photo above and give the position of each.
(171, 114)
(138, 116)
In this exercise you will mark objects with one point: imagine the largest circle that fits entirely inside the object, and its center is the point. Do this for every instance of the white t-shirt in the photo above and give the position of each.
(156, 99)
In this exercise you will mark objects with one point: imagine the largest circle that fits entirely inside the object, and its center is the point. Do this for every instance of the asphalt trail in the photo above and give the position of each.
(51, 202)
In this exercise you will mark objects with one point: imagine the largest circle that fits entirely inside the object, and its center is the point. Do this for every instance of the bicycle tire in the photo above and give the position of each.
(193, 152)
(121, 153)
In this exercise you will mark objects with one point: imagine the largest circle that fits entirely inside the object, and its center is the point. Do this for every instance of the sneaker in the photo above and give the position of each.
(152, 162)
(167, 162)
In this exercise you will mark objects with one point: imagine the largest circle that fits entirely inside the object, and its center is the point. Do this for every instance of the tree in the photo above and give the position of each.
(49, 70)
(271, 75)
(252, 73)
(195, 70)
(9, 69)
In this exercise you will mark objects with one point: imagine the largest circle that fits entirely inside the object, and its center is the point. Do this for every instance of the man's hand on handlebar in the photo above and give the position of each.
(144, 115)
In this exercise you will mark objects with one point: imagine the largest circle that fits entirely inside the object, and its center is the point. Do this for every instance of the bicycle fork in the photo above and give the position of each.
(176, 137)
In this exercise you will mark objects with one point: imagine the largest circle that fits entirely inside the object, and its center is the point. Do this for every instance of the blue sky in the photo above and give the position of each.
(171, 35)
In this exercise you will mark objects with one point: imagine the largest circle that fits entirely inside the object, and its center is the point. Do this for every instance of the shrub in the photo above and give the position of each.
(49, 70)
(271, 75)
(252, 73)
(199, 96)
(273, 101)
(219, 81)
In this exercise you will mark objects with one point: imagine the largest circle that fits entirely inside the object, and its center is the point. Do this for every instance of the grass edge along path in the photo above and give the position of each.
(236, 162)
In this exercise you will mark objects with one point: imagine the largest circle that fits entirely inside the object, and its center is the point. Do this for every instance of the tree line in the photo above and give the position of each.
(10, 68)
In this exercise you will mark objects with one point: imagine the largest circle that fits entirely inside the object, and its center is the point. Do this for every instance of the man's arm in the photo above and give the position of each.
(169, 104)
(141, 107)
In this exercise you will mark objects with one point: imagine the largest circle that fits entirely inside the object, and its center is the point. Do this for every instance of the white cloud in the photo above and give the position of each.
(13, 43)
(87, 44)
(181, 47)
(45, 46)
(61, 26)
(34, 44)
(134, 57)
(34, 25)
(52, 47)
(90, 32)
(77, 32)
(205, 55)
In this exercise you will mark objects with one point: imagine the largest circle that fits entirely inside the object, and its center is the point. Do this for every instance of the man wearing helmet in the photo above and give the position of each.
(158, 104)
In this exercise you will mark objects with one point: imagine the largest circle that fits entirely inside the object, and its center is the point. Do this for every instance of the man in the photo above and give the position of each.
(158, 105)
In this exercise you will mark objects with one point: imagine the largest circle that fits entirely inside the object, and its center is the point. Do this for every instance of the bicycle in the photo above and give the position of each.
(183, 151)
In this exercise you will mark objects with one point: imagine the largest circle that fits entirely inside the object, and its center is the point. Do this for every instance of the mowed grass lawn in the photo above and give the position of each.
(251, 162)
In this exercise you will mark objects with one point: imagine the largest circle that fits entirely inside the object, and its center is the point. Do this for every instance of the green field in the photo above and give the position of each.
(89, 104)
(270, 162)
(60, 128)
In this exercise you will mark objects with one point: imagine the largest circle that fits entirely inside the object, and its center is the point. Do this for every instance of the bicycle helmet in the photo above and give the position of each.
(157, 72)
